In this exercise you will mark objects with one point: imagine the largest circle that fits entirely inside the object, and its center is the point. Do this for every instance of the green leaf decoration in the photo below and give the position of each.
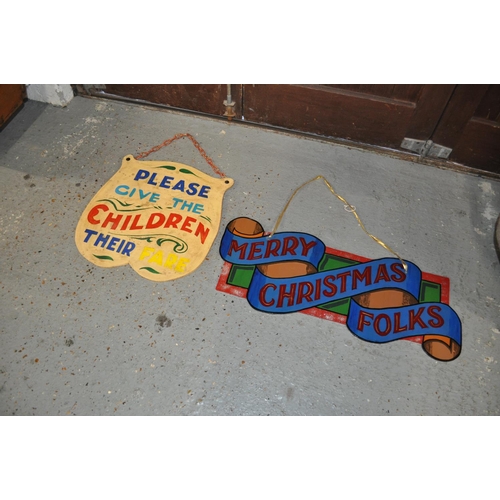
(118, 209)
(103, 257)
(186, 171)
(180, 246)
(149, 239)
(151, 270)
(168, 167)
(206, 218)
(122, 203)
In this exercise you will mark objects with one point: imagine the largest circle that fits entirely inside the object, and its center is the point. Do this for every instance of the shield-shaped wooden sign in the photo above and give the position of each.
(161, 217)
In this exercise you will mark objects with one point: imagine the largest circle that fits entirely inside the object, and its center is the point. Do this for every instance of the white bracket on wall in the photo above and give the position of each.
(426, 148)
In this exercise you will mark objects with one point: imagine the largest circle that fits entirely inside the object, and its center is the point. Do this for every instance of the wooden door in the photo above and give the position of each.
(381, 115)
(470, 127)
(458, 123)
(11, 99)
(454, 123)
(206, 98)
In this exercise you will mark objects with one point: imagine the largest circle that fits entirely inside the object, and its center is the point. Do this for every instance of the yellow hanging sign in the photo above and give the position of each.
(161, 217)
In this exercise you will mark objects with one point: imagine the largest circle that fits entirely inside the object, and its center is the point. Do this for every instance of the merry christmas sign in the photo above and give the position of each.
(160, 217)
(379, 300)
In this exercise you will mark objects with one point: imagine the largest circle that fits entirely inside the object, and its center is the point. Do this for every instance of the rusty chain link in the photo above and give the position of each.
(196, 145)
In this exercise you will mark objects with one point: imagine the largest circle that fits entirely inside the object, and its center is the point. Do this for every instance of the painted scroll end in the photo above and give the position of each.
(441, 348)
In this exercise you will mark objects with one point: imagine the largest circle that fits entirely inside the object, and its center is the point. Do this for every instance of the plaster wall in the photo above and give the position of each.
(55, 94)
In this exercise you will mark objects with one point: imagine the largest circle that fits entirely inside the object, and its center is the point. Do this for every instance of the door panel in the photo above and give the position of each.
(479, 146)
(470, 126)
(381, 115)
(428, 111)
(458, 112)
(408, 93)
(200, 98)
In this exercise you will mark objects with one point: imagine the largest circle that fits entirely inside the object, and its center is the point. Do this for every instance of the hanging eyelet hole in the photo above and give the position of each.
(128, 158)
(227, 181)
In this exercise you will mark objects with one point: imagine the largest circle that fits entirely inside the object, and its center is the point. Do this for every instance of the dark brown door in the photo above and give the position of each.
(470, 127)
(199, 98)
(381, 115)
(11, 99)
(458, 123)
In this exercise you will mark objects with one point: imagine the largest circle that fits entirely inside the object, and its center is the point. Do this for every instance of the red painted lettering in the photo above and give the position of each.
(290, 295)
(95, 210)
(415, 318)
(262, 295)
(434, 313)
(343, 280)
(125, 222)
(397, 324)
(290, 243)
(241, 249)
(306, 288)
(202, 232)
(114, 221)
(186, 226)
(361, 320)
(317, 293)
(327, 281)
(365, 276)
(173, 220)
(135, 222)
(376, 324)
(152, 223)
(400, 275)
(382, 274)
(273, 247)
(306, 246)
(255, 250)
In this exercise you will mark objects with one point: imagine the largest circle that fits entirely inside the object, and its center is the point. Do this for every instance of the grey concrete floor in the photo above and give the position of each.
(76, 339)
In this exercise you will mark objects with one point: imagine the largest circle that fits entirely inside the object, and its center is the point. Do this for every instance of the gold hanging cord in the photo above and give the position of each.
(348, 207)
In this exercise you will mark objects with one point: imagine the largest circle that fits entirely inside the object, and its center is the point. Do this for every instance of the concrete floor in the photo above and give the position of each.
(76, 339)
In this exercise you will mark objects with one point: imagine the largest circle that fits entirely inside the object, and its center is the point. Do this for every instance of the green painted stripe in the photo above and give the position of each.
(151, 270)
(103, 257)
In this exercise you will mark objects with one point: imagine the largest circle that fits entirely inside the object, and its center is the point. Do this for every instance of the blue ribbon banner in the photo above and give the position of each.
(437, 322)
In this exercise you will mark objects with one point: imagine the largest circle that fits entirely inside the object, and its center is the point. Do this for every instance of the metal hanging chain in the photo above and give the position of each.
(348, 207)
(196, 145)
